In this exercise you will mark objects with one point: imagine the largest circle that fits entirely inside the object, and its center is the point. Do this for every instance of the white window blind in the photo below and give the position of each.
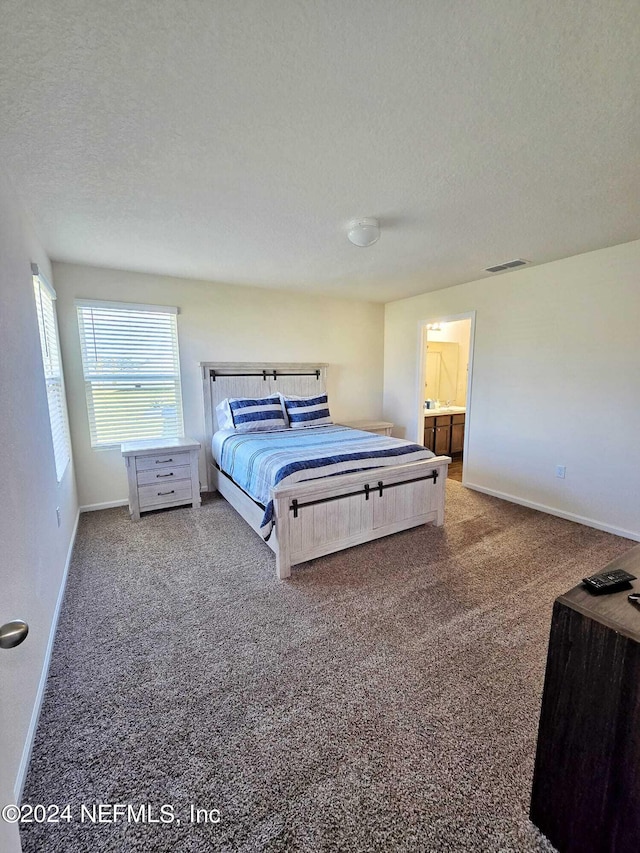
(47, 324)
(131, 371)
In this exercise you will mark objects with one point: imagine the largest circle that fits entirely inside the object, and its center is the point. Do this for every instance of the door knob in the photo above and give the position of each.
(13, 633)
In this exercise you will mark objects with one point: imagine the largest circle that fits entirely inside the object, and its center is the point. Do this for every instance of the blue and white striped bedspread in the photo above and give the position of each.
(259, 461)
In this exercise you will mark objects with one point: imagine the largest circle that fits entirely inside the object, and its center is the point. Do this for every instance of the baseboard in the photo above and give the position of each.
(570, 516)
(104, 505)
(37, 707)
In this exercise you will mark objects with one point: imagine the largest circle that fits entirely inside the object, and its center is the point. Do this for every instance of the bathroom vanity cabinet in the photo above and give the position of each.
(444, 433)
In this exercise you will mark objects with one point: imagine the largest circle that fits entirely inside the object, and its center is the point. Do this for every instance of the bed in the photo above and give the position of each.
(402, 485)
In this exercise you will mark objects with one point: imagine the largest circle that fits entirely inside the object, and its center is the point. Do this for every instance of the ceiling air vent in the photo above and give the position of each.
(507, 265)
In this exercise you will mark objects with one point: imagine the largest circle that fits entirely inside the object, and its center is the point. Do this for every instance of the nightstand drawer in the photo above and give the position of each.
(161, 460)
(163, 474)
(162, 494)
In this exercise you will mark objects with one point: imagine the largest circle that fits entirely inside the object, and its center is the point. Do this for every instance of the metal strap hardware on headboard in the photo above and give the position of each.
(264, 373)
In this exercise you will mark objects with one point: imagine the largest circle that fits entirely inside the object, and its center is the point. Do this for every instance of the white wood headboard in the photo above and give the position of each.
(254, 379)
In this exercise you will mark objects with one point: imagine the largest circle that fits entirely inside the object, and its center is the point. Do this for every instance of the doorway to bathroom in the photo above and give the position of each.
(444, 397)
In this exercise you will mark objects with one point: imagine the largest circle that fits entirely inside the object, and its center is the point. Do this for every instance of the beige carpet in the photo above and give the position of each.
(385, 698)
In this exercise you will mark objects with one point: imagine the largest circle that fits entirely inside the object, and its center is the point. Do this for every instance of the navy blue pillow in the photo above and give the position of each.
(307, 411)
(257, 414)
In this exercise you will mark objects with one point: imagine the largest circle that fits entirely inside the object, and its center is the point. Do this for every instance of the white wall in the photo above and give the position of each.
(555, 382)
(34, 549)
(219, 322)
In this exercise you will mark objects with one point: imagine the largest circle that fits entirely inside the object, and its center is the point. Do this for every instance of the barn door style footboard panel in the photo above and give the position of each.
(322, 517)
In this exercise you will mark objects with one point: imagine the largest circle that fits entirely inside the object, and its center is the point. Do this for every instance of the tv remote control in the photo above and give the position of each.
(609, 581)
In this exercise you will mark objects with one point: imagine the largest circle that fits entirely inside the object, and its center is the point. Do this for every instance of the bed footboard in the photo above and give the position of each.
(319, 517)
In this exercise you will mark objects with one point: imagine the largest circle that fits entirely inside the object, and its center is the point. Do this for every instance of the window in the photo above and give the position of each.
(131, 371)
(48, 326)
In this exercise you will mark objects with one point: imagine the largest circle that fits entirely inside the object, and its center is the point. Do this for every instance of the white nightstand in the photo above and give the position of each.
(380, 427)
(162, 473)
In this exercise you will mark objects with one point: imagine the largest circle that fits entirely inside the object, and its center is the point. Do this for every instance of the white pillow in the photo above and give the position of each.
(223, 415)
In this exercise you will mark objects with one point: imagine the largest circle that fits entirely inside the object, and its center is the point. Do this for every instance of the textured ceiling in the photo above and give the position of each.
(233, 140)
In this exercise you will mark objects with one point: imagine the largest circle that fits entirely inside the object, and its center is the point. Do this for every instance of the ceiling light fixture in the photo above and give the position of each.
(363, 232)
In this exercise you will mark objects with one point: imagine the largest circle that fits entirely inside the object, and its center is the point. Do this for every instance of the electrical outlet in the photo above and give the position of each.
(58, 516)
(561, 471)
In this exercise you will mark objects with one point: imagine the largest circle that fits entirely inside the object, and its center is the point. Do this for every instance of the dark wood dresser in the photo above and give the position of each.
(586, 783)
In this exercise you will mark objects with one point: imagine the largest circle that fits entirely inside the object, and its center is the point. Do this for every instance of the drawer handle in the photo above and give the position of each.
(167, 493)
(162, 461)
(160, 476)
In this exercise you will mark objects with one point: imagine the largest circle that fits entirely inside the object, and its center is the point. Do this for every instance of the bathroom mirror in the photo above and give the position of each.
(441, 375)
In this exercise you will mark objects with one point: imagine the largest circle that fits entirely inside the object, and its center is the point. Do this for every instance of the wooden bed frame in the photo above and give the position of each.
(321, 516)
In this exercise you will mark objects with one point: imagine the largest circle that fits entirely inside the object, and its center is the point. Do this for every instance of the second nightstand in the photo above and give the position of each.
(379, 427)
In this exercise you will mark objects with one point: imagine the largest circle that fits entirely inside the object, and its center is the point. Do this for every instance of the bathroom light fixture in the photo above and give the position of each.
(363, 232)
(434, 327)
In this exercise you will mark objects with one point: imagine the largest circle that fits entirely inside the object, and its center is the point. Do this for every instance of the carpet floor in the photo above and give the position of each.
(385, 698)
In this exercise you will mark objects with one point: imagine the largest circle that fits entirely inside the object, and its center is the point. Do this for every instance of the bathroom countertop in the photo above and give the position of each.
(445, 410)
